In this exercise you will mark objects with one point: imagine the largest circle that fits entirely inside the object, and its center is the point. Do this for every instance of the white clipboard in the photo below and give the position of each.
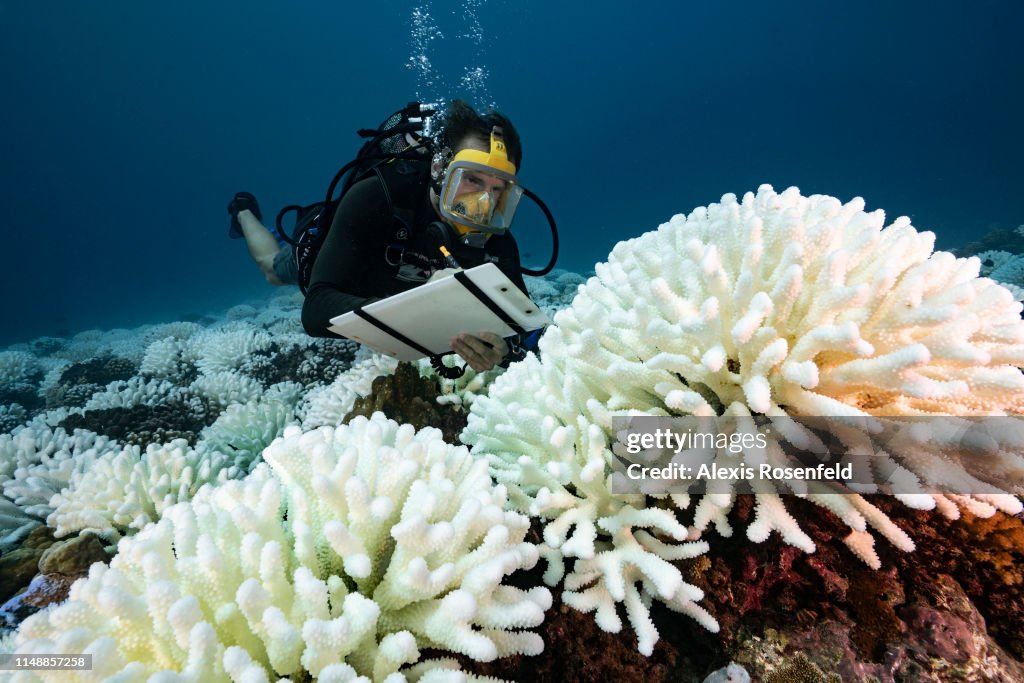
(432, 313)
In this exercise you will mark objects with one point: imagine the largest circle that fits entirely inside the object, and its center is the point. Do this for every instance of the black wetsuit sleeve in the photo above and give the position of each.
(353, 248)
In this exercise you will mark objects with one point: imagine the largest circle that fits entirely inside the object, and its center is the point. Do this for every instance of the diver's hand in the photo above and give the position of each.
(482, 352)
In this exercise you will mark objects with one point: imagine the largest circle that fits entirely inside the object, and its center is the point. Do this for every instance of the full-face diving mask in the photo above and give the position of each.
(480, 192)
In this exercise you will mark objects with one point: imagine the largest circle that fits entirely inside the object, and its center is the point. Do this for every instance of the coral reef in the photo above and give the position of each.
(408, 397)
(775, 305)
(394, 542)
(246, 544)
(36, 463)
(330, 404)
(178, 417)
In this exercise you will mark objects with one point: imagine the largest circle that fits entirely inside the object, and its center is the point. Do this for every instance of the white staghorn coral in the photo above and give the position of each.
(776, 305)
(345, 554)
(556, 463)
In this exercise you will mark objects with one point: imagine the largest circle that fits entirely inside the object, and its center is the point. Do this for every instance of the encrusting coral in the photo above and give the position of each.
(774, 305)
(343, 556)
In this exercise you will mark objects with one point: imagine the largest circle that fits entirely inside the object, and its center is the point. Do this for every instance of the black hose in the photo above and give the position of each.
(554, 237)
(290, 239)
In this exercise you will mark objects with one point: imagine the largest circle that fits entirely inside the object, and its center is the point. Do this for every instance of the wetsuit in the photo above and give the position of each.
(372, 252)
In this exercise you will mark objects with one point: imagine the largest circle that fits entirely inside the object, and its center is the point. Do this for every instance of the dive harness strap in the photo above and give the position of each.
(452, 372)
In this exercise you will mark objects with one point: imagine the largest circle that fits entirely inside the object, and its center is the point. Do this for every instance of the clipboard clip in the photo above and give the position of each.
(446, 371)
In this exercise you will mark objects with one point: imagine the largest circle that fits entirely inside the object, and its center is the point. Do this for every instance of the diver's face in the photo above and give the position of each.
(478, 181)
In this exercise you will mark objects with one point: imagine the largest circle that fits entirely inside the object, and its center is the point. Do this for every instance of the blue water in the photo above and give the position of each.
(128, 125)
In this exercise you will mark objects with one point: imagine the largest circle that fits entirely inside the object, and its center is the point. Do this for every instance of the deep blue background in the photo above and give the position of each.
(127, 125)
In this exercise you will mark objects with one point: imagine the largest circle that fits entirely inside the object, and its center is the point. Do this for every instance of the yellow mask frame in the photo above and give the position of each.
(500, 209)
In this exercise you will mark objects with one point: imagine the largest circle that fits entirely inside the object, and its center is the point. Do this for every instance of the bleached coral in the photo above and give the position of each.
(345, 554)
(39, 461)
(122, 343)
(244, 430)
(15, 524)
(11, 415)
(289, 393)
(1010, 272)
(227, 348)
(1016, 290)
(83, 346)
(226, 387)
(554, 291)
(240, 312)
(127, 489)
(779, 304)
(328, 405)
(36, 462)
(163, 359)
(176, 330)
(556, 463)
(16, 366)
(133, 392)
(990, 260)
(463, 390)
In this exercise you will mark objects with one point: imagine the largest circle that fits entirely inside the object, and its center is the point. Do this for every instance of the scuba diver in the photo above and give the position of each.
(438, 206)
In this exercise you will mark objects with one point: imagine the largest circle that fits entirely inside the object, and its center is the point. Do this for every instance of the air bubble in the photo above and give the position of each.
(469, 39)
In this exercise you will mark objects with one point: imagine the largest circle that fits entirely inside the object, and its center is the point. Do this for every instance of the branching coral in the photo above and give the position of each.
(226, 349)
(554, 291)
(36, 462)
(226, 387)
(555, 461)
(132, 392)
(123, 491)
(776, 305)
(11, 415)
(163, 359)
(344, 555)
(243, 431)
(17, 366)
(463, 390)
(1010, 272)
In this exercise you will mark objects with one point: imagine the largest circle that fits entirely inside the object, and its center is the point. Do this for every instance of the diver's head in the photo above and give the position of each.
(475, 187)
(460, 125)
